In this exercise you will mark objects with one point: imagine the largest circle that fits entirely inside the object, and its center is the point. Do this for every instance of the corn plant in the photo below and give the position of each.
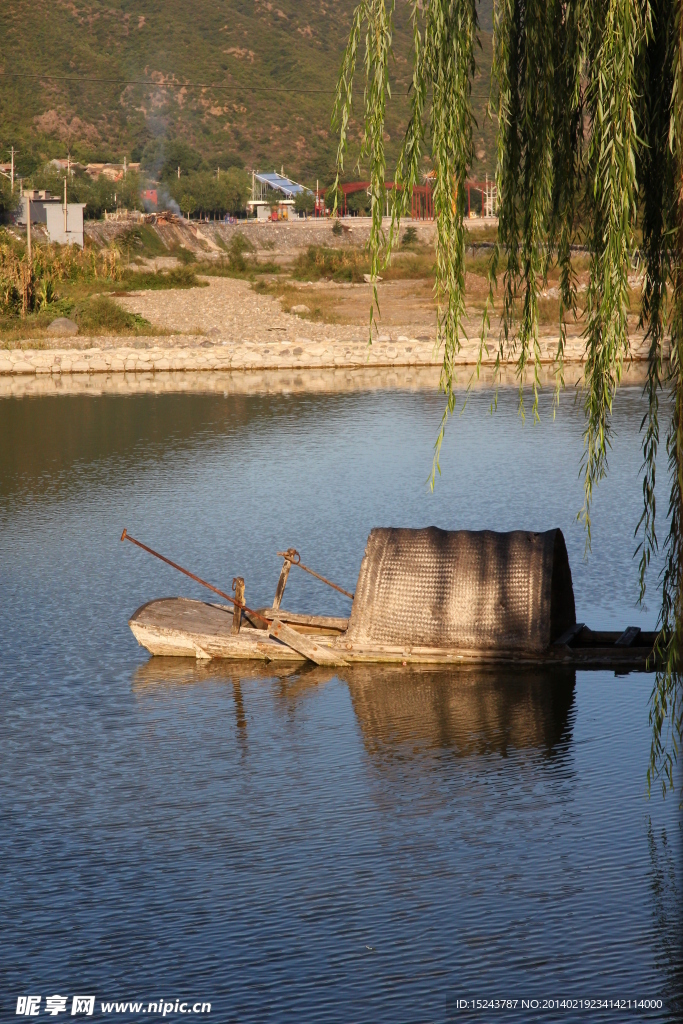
(28, 285)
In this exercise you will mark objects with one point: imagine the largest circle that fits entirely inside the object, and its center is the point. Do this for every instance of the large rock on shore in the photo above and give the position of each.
(63, 327)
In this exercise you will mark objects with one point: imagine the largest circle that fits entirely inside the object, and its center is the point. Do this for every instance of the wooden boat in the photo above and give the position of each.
(423, 597)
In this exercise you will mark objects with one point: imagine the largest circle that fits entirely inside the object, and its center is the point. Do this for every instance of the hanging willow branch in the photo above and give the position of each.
(665, 50)
(588, 96)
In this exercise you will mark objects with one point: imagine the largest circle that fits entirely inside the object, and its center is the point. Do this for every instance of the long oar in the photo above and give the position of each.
(126, 536)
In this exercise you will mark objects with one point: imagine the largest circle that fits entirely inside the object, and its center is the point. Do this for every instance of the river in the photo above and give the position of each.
(375, 845)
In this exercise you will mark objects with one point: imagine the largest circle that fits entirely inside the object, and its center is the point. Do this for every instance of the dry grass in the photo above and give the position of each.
(322, 305)
(326, 279)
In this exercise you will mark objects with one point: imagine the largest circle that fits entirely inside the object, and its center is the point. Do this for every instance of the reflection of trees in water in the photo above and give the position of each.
(667, 909)
(469, 711)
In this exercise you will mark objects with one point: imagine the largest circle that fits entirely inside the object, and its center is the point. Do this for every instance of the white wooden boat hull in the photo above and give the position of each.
(176, 627)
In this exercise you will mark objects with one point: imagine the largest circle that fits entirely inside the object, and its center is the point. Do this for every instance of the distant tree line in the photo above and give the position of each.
(99, 194)
(208, 193)
(8, 202)
(184, 180)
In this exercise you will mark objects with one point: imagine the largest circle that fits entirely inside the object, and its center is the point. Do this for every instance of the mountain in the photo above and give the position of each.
(241, 81)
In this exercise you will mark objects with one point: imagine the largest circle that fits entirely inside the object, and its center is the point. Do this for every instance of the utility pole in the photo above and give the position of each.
(28, 228)
(68, 163)
(178, 172)
(65, 210)
(12, 176)
(124, 167)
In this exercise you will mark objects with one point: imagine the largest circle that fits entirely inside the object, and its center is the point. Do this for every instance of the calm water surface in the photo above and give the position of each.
(372, 845)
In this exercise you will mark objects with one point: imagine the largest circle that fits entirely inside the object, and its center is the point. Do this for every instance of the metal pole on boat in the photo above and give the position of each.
(233, 600)
(294, 558)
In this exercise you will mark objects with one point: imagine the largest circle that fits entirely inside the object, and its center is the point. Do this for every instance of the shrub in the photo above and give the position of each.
(236, 250)
(101, 315)
(304, 202)
(178, 277)
(338, 264)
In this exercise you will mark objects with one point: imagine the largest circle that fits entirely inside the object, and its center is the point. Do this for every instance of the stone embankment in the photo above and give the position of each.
(301, 354)
(284, 238)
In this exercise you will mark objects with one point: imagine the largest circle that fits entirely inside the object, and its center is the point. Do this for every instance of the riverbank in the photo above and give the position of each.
(308, 312)
(232, 325)
(201, 354)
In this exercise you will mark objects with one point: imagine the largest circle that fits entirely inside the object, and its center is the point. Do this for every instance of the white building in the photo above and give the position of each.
(65, 230)
(49, 210)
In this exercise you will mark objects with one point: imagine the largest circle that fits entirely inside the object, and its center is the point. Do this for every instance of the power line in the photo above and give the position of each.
(167, 85)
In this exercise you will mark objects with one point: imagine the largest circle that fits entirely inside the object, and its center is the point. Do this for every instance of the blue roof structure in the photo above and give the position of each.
(281, 184)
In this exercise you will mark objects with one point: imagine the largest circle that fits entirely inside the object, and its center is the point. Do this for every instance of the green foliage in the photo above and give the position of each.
(149, 280)
(205, 73)
(187, 202)
(45, 294)
(589, 105)
(304, 202)
(359, 203)
(409, 237)
(9, 202)
(101, 315)
(162, 158)
(206, 192)
(186, 256)
(141, 240)
(337, 264)
(239, 245)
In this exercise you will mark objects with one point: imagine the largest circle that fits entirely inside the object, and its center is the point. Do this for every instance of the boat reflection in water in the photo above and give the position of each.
(469, 711)
(476, 711)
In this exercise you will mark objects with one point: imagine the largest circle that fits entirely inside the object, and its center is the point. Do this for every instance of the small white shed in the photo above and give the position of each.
(72, 234)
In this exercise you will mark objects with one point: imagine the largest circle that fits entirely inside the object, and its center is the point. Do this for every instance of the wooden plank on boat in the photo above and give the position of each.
(281, 583)
(628, 637)
(570, 634)
(238, 587)
(304, 645)
(324, 623)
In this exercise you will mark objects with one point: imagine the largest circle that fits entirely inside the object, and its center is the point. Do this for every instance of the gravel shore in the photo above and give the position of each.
(230, 326)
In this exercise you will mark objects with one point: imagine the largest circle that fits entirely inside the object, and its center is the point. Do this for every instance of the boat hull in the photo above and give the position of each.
(178, 627)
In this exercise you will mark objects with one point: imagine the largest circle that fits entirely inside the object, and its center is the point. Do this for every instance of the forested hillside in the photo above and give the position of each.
(244, 82)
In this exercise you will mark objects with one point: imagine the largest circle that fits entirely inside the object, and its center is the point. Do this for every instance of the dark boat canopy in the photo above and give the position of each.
(476, 590)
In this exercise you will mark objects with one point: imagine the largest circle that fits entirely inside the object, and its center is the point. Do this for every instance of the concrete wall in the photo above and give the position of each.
(38, 210)
(74, 223)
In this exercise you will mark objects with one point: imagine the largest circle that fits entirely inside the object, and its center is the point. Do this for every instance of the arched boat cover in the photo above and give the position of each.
(463, 589)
